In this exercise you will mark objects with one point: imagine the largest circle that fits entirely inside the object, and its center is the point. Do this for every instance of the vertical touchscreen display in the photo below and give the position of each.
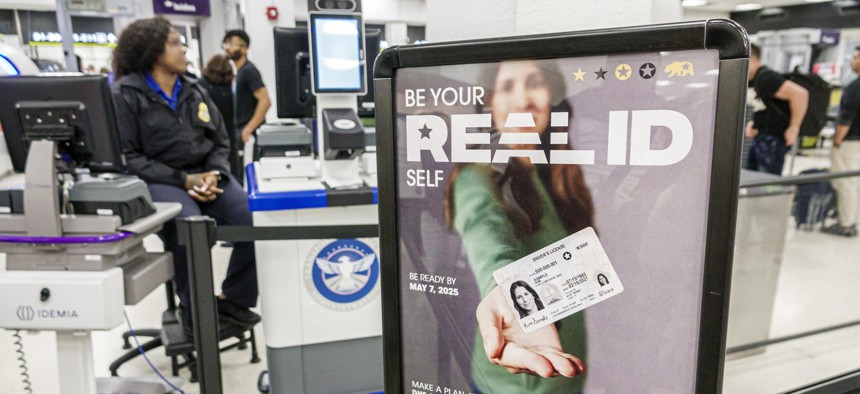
(338, 65)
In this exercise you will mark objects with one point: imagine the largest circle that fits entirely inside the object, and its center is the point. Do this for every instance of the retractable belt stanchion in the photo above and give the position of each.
(197, 233)
(249, 234)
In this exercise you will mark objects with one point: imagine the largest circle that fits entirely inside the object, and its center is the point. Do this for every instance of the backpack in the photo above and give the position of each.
(819, 102)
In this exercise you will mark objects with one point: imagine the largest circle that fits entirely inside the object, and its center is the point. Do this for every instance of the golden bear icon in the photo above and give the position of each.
(682, 69)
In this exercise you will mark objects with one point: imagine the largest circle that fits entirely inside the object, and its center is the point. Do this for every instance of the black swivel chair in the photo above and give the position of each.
(176, 345)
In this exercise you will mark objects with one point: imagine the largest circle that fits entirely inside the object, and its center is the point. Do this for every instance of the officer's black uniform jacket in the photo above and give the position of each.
(162, 145)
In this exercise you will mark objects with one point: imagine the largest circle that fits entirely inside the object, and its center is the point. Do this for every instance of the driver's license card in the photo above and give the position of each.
(558, 280)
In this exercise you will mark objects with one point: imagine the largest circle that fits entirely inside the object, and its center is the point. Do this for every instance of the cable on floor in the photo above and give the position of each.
(142, 353)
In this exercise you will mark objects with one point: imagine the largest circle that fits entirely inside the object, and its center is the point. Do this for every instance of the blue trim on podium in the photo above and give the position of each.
(280, 201)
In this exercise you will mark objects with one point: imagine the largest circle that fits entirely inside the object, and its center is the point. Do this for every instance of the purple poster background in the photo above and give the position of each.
(181, 7)
(650, 218)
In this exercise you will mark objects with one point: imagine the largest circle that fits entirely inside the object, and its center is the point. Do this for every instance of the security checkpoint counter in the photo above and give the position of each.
(320, 298)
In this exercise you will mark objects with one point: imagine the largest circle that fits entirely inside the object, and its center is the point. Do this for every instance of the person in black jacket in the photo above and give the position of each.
(174, 138)
(217, 79)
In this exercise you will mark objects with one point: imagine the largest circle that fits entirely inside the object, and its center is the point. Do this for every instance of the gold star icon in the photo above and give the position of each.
(579, 74)
(623, 71)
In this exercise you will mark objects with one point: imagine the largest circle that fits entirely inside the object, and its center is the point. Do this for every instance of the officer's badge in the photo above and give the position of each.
(203, 113)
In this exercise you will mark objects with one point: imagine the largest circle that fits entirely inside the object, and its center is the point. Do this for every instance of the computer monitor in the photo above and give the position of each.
(75, 111)
(372, 41)
(337, 53)
(293, 73)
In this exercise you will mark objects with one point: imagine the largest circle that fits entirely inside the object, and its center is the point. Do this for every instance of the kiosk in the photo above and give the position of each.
(73, 236)
(319, 298)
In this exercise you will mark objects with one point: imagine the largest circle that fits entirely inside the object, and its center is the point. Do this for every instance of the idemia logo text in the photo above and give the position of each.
(28, 313)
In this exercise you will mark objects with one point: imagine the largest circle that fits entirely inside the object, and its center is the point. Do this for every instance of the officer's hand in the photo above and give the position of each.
(211, 180)
(203, 186)
(203, 180)
(201, 197)
(192, 180)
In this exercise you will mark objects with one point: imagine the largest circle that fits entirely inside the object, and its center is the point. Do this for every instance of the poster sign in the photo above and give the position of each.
(181, 7)
(552, 220)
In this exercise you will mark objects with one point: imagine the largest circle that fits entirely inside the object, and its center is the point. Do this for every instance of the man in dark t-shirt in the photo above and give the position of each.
(779, 108)
(845, 155)
(252, 98)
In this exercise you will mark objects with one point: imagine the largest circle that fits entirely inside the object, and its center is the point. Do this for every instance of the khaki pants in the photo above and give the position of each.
(846, 158)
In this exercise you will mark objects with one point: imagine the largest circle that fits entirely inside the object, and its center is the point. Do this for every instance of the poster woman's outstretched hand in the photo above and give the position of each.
(506, 344)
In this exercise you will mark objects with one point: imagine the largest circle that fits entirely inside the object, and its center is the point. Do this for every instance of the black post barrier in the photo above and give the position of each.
(197, 233)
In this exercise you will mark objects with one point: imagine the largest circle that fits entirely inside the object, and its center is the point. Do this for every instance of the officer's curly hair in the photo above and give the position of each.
(139, 46)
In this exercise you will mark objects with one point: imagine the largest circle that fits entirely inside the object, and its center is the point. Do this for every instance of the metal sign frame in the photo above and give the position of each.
(726, 36)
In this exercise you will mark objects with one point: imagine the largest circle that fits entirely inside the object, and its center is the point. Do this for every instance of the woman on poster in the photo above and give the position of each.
(504, 212)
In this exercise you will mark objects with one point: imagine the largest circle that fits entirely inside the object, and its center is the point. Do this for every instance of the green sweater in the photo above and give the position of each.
(488, 237)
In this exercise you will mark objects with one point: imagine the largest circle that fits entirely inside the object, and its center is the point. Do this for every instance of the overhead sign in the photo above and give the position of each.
(40, 28)
(100, 38)
(181, 7)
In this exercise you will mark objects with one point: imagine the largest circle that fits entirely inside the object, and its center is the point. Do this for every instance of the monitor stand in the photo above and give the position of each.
(41, 197)
(341, 173)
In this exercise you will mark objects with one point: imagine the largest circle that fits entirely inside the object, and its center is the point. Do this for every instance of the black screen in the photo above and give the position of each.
(372, 38)
(293, 73)
(101, 141)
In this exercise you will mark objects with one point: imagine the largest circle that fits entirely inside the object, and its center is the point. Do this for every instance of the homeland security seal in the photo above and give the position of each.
(342, 274)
